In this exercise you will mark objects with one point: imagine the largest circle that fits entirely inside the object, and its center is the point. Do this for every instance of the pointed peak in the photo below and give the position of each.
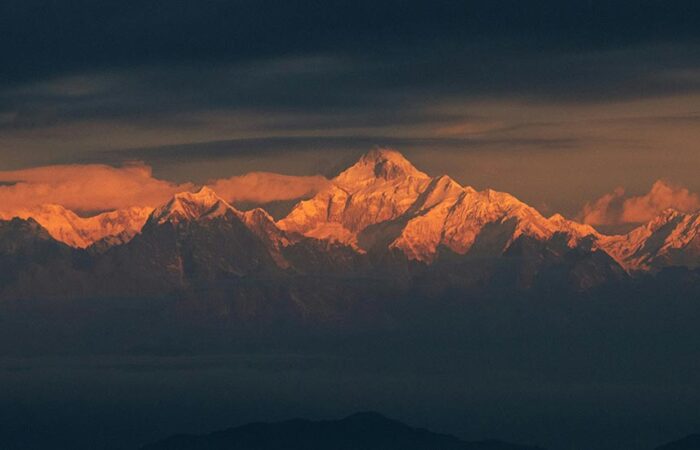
(52, 208)
(440, 190)
(557, 218)
(571, 227)
(383, 154)
(204, 194)
(258, 215)
(670, 213)
(445, 182)
(504, 199)
(664, 217)
(444, 186)
(191, 205)
(379, 164)
(18, 224)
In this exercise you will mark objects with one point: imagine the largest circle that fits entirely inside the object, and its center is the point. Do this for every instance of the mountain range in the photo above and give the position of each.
(64, 225)
(380, 219)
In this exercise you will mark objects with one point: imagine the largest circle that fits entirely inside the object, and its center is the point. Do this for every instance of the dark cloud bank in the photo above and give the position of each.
(137, 61)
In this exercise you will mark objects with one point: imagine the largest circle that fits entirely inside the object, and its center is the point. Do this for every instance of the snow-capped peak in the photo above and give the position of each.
(665, 217)
(81, 232)
(440, 190)
(381, 186)
(454, 217)
(576, 229)
(379, 165)
(186, 206)
(670, 238)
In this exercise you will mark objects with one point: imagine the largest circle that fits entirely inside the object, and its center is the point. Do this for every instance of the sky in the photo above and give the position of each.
(589, 108)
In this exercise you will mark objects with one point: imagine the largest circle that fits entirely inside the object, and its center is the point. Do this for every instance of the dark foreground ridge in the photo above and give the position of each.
(362, 431)
(691, 442)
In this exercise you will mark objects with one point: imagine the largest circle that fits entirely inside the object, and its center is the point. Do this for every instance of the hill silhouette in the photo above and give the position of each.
(361, 431)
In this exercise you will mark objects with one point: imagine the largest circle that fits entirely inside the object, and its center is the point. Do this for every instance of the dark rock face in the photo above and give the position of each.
(243, 269)
(33, 264)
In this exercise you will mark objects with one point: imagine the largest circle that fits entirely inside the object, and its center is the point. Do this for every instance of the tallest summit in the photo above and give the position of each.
(378, 165)
(379, 187)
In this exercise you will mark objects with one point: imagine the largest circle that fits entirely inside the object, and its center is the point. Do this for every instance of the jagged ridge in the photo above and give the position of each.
(383, 203)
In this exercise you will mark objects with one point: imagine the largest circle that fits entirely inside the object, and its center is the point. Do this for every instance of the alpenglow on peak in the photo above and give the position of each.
(190, 205)
(379, 164)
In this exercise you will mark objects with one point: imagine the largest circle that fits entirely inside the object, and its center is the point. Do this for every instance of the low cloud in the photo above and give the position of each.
(95, 187)
(616, 208)
(265, 187)
(606, 210)
(83, 188)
